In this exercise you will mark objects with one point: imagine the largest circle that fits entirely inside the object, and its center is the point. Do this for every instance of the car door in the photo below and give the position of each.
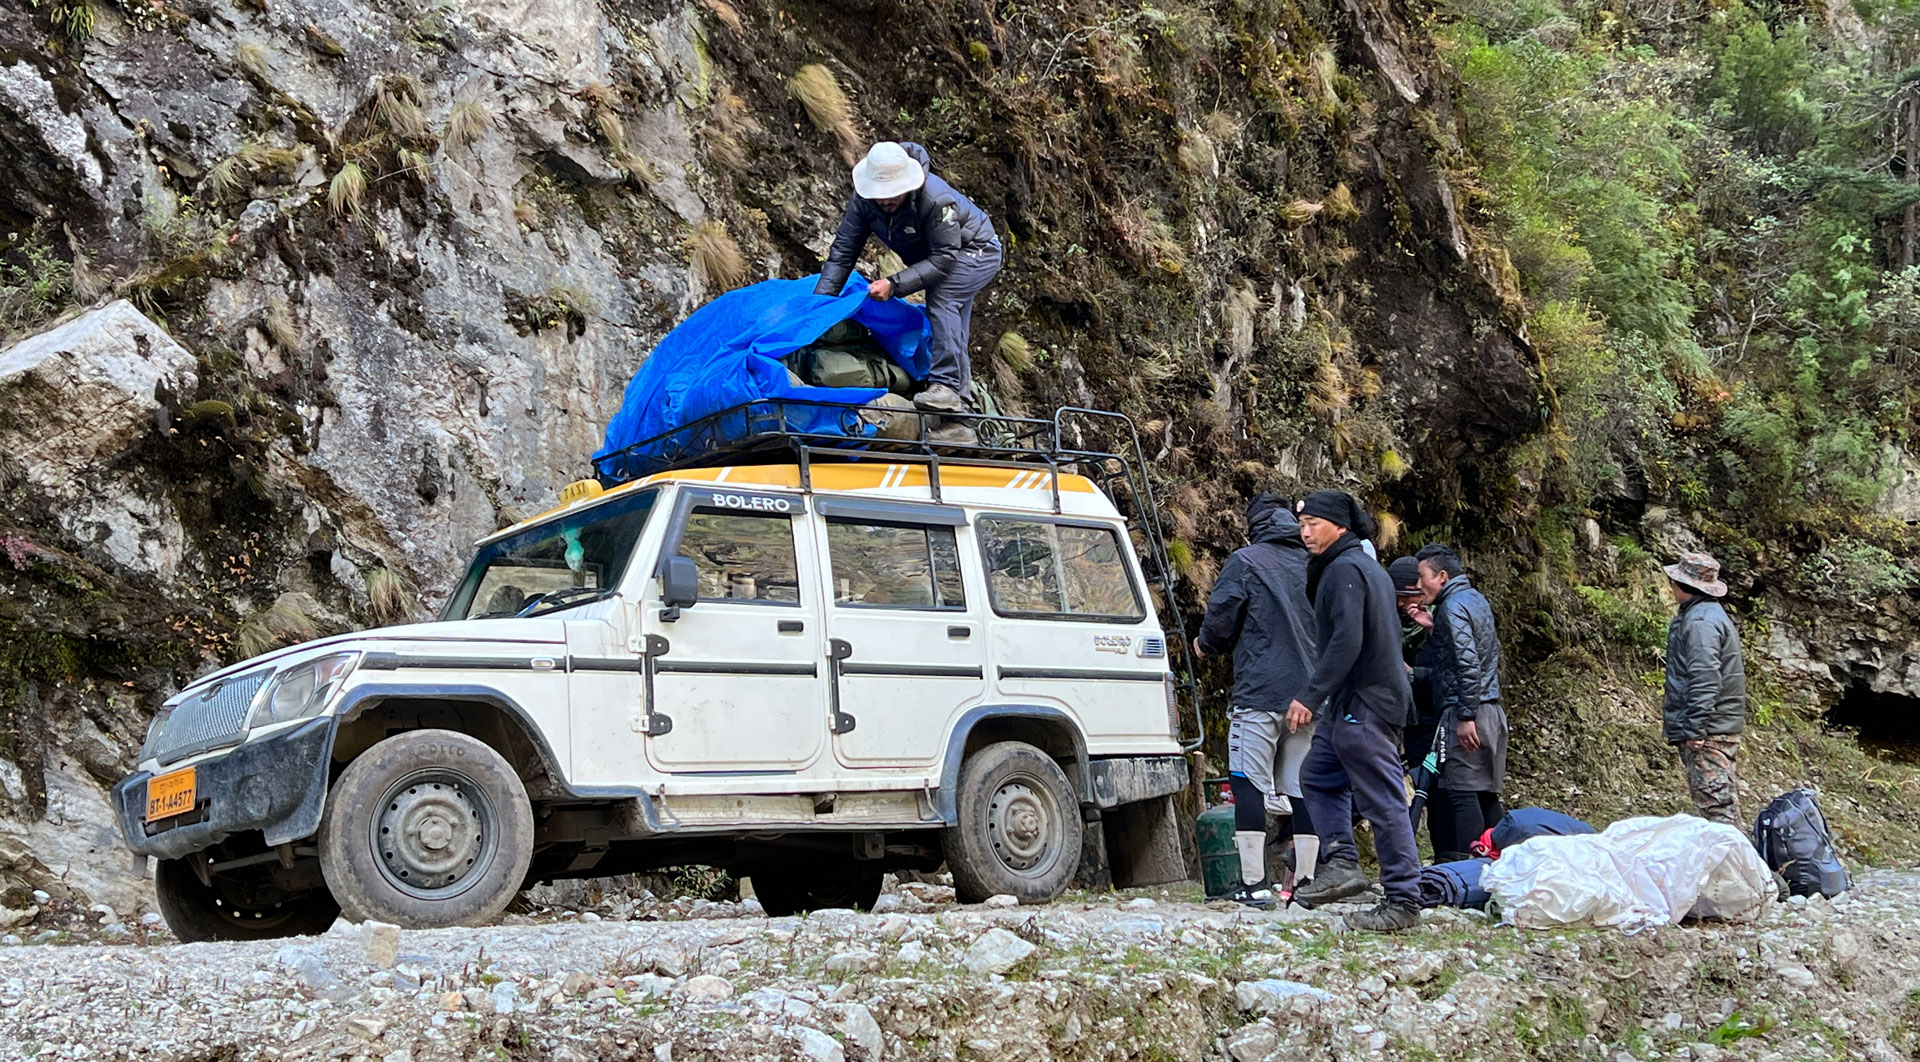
(1071, 628)
(738, 678)
(905, 633)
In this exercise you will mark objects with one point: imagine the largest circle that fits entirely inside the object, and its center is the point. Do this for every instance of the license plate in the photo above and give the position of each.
(170, 794)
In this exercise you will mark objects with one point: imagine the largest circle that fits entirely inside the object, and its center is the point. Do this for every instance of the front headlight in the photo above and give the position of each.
(153, 731)
(302, 690)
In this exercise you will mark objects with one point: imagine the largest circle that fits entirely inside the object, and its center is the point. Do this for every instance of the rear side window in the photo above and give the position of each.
(894, 566)
(1040, 568)
(742, 557)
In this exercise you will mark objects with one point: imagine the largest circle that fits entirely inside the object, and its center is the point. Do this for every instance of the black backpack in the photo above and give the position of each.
(1792, 837)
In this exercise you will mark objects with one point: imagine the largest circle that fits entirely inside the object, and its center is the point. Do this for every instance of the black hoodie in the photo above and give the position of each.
(1259, 610)
(1358, 632)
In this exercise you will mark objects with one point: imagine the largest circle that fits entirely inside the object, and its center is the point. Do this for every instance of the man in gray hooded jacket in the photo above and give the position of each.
(1706, 707)
(949, 247)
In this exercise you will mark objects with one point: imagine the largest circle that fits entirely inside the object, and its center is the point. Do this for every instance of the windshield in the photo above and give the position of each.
(568, 561)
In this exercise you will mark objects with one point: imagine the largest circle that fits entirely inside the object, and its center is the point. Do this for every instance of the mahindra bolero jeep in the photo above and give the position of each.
(807, 673)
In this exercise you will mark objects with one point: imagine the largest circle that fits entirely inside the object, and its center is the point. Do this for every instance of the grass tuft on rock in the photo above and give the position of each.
(250, 58)
(293, 617)
(728, 15)
(388, 596)
(716, 257)
(396, 106)
(1014, 351)
(827, 106)
(347, 192)
(467, 123)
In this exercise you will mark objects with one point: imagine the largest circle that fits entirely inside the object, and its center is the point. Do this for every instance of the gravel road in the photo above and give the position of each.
(1150, 975)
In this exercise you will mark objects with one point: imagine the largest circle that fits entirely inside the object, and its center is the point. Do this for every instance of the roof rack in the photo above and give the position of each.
(1102, 445)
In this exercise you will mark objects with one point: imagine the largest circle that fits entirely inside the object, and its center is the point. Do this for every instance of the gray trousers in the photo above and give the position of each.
(950, 313)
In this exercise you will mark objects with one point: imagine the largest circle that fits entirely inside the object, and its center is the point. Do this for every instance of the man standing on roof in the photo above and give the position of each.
(1361, 680)
(946, 241)
(1258, 610)
(1466, 689)
(1706, 706)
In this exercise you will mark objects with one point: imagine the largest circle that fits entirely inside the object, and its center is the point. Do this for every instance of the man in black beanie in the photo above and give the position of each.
(1360, 685)
(1258, 610)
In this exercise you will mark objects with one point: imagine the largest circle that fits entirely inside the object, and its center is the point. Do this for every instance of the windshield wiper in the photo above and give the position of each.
(565, 597)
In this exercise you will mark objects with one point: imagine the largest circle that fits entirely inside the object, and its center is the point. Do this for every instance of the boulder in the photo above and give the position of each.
(995, 952)
(85, 390)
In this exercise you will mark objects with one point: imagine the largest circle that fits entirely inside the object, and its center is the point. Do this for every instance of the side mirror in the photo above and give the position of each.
(679, 586)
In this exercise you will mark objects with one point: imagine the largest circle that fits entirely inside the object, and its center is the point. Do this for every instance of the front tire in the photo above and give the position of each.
(229, 909)
(1019, 828)
(426, 829)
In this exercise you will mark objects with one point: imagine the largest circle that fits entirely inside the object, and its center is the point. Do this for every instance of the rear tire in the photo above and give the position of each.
(426, 829)
(1019, 830)
(798, 890)
(228, 910)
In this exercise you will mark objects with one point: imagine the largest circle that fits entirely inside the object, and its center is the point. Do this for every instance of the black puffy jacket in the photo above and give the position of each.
(1259, 609)
(928, 232)
(1467, 675)
(1706, 677)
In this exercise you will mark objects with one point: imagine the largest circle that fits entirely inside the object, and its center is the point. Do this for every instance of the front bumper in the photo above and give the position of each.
(277, 785)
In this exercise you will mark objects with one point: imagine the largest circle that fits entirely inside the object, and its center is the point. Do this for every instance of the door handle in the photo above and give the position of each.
(838, 649)
(792, 627)
(959, 632)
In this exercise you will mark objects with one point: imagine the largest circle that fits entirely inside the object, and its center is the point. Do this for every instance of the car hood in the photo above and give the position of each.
(475, 632)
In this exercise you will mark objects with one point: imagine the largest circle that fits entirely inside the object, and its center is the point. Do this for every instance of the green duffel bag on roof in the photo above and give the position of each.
(847, 356)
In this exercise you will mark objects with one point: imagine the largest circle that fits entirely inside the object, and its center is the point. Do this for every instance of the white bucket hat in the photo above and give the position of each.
(887, 171)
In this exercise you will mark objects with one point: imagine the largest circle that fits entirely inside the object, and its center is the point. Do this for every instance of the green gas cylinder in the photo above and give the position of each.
(1219, 859)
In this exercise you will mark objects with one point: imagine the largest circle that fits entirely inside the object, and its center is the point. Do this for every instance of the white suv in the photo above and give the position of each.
(808, 672)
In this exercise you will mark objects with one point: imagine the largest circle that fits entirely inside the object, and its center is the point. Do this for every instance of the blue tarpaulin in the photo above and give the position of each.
(728, 353)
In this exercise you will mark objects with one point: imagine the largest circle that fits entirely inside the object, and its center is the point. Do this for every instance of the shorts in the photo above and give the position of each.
(1260, 749)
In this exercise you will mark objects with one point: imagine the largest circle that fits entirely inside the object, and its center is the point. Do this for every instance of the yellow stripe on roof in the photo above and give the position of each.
(837, 476)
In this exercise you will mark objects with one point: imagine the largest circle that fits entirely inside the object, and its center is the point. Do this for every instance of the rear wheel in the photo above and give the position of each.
(796, 890)
(429, 828)
(1019, 826)
(235, 909)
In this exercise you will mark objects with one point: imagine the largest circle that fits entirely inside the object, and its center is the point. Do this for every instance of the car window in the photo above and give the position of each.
(742, 557)
(583, 550)
(1040, 568)
(894, 566)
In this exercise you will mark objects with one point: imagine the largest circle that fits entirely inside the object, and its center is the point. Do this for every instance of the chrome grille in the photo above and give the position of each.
(209, 718)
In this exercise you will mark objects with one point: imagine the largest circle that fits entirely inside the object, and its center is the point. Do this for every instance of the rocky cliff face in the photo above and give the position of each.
(334, 288)
(385, 269)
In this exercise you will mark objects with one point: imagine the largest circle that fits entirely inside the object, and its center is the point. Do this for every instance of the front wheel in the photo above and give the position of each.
(234, 909)
(426, 829)
(1019, 826)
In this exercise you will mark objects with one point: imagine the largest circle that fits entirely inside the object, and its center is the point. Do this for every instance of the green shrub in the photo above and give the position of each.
(1849, 571)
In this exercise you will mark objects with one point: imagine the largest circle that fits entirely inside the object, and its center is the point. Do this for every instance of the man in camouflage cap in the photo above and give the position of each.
(1706, 705)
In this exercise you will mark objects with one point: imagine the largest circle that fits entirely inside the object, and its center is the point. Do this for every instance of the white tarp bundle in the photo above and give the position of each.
(1634, 874)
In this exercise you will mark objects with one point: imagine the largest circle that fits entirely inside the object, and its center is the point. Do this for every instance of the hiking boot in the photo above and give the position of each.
(1258, 896)
(1389, 916)
(940, 398)
(1335, 881)
(954, 433)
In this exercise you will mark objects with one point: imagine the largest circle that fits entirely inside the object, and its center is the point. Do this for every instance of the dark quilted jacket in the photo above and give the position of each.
(1706, 678)
(1467, 675)
(928, 232)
